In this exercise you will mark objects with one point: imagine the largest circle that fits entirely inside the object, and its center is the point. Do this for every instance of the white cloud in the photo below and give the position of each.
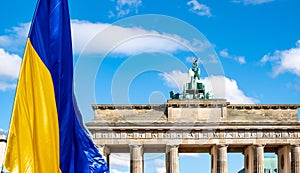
(117, 171)
(15, 39)
(83, 32)
(222, 86)
(159, 162)
(126, 41)
(9, 64)
(120, 160)
(200, 9)
(7, 85)
(175, 79)
(219, 86)
(240, 59)
(3, 132)
(224, 53)
(124, 7)
(298, 43)
(107, 38)
(159, 165)
(194, 155)
(160, 170)
(252, 2)
(190, 59)
(284, 60)
(9, 70)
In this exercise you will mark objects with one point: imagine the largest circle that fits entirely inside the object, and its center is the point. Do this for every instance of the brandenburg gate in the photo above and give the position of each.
(199, 125)
(212, 126)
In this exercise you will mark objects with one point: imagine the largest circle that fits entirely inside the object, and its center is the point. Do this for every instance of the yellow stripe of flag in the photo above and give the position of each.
(33, 140)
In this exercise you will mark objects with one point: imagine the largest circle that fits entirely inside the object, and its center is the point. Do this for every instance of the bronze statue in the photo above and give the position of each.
(196, 69)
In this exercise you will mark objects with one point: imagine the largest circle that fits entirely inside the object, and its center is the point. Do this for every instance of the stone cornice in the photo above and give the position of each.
(126, 106)
(263, 106)
(240, 123)
(192, 126)
(195, 104)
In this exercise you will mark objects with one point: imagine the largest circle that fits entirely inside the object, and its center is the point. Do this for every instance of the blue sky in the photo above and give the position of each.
(136, 51)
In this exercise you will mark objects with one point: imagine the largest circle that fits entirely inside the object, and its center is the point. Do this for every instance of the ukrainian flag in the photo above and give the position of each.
(46, 133)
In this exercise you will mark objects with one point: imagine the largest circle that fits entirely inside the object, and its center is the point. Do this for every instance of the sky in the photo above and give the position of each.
(137, 51)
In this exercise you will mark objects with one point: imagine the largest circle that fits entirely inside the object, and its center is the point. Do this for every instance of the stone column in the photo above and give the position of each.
(259, 159)
(222, 159)
(295, 154)
(284, 159)
(100, 148)
(213, 159)
(219, 159)
(136, 159)
(105, 152)
(248, 159)
(172, 165)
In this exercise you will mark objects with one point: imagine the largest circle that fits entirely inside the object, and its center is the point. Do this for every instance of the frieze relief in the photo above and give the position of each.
(196, 134)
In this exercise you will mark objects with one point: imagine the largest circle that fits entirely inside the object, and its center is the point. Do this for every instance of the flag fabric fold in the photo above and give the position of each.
(45, 133)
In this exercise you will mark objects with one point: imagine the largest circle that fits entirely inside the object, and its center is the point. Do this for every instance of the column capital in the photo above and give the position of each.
(135, 145)
(246, 147)
(172, 146)
(259, 145)
(100, 145)
(282, 146)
